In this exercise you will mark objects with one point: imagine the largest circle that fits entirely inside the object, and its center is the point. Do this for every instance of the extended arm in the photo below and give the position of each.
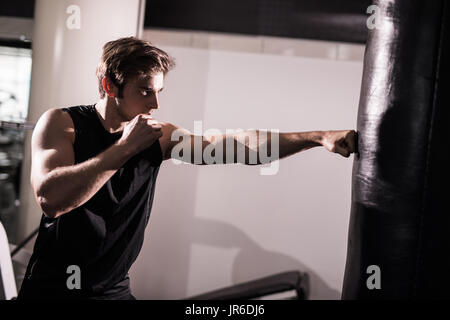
(249, 147)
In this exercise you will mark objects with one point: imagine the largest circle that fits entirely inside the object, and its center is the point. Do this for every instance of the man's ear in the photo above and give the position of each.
(110, 89)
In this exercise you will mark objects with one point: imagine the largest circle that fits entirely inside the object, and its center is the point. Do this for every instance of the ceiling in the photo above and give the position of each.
(334, 20)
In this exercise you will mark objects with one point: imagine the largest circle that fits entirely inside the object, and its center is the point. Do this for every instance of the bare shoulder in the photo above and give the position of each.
(53, 124)
(168, 129)
(167, 126)
(56, 116)
(170, 135)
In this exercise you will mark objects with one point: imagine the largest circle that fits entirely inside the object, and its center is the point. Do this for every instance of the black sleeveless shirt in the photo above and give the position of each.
(104, 236)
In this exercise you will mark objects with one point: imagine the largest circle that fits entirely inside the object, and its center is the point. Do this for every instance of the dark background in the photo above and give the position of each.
(334, 20)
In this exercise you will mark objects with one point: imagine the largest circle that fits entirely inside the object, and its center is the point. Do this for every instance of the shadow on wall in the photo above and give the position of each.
(253, 261)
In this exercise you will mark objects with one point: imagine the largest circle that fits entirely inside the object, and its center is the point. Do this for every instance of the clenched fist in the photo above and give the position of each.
(140, 133)
(341, 141)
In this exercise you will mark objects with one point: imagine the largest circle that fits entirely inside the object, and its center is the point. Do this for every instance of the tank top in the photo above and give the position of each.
(102, 237)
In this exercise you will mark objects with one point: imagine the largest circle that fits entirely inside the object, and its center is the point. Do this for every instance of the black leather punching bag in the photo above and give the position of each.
(400, 213)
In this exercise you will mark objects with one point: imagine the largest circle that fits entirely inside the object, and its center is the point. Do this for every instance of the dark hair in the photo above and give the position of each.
(126, 58)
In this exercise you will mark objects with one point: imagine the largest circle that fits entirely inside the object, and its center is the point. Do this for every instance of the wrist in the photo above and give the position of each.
(318, 137)
(123, 149)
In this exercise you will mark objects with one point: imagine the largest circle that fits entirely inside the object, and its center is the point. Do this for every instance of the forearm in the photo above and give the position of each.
(267, 146)
(294, 142)
(254, 147)
(66, 188)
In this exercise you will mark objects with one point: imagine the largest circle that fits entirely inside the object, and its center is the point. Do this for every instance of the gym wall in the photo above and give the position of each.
(215, 226)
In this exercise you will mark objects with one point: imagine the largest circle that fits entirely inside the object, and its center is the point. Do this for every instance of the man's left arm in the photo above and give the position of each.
(251, 147)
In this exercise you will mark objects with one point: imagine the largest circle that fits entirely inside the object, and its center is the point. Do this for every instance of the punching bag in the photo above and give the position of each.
(399, 232)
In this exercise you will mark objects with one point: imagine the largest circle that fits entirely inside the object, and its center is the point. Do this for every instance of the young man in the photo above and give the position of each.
(94, 170)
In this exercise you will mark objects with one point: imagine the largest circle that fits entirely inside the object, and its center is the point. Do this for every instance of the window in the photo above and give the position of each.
(15, 73)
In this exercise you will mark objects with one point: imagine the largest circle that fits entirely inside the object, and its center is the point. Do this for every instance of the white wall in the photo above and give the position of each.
(215, 226)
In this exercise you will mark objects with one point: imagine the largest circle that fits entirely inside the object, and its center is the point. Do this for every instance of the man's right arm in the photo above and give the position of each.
(60, 185)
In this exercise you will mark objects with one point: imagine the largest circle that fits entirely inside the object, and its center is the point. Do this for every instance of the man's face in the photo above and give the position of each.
(140, 95)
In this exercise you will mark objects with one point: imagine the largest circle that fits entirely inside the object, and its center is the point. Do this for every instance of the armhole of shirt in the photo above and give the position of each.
(75, 128)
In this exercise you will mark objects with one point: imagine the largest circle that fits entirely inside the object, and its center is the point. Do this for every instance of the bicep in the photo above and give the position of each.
(51, 145)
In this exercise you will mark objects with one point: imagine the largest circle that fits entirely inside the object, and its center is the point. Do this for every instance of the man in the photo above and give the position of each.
(94, 170)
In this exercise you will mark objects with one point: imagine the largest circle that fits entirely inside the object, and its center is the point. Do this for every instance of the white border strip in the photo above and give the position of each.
(256, 44)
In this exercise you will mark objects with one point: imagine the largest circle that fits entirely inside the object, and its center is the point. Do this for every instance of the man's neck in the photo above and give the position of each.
(109, 117)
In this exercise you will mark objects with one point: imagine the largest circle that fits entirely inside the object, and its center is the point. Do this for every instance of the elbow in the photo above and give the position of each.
(49, 208)
(47, 201)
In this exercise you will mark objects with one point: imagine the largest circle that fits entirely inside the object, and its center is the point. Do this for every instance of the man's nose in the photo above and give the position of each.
(155, 104)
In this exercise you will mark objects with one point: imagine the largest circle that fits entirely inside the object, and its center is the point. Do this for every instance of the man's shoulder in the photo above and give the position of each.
(56, 117)
(169, 128)
(65, 116)
(54, 123)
